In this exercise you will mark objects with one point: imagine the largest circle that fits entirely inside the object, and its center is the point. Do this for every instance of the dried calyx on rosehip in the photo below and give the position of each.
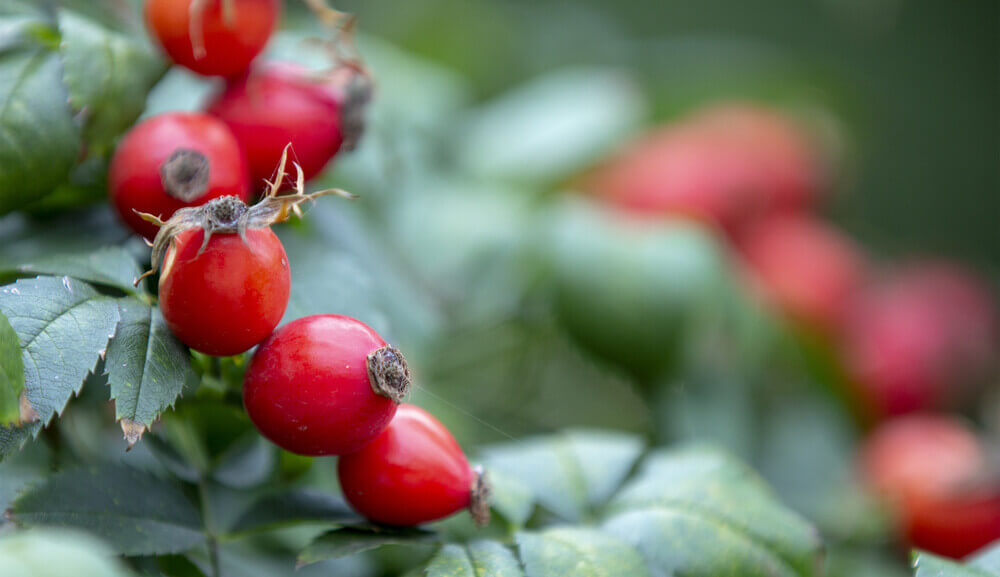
(225, 277)
(230, 215)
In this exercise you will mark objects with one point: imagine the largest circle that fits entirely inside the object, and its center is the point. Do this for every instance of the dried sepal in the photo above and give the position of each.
(230, 215)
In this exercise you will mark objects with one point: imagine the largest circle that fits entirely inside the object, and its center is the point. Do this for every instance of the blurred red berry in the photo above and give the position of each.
(932, 470)
(213, 40)
(921, 338)
(726, 166)
(280, 104)
(805, 268)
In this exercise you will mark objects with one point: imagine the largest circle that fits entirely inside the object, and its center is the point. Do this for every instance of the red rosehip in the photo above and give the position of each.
(228, 297)
(280, 104)
(413, 473)
(933, 472)
(726, 166)
(213, 37)
(172, 161)
(806, 269)
(324, 385)
(921, 338)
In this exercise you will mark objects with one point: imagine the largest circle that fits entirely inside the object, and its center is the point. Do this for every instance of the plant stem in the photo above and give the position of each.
(206, 517)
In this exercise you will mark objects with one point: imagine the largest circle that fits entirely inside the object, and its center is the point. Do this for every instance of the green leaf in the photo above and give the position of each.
(39, 141)
(11, 374)
(108, 75)
(717, 513)
(292, 508)
(52, 552)
(147, 367)
(569, 473)
(475, 559)
(511, 498)
(325, 280)
(551, 128)
(988, 558)
(927, 565)
(135, 512)
(111, 266)
(63, 326)
(350, 540)
(578, 552)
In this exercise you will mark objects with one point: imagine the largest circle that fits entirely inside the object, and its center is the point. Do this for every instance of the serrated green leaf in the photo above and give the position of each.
(475, 559)
(605, 460)
(147, 367)
(569, 473)
(63, 326)
(350, 540)
(578, 552)
(11, 374)
(696, 498)
(927, 565)
(39, 140)
(134, 511)
(291, 508)
(53, 552)
(108, 75)
(111, 266)
(511, 498)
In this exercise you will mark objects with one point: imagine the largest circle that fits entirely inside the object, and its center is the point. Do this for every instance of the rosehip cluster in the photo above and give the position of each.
(179, 160)
(894, 340)
(319, 385)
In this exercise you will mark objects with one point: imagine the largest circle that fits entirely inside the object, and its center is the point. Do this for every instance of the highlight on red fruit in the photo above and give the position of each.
(172, 161)
(324, 385)
(281, 103)
(725, 165)
(933, 472)
(804, 268)
(924, 336)
(413, 473)
(213, 37)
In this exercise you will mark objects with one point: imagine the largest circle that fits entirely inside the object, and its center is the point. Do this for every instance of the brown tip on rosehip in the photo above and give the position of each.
(479, 502)
(185, 174)
(388, 373)
(230, 215)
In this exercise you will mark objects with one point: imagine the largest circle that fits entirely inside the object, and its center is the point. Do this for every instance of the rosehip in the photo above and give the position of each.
(280, 104)
(806, 269)
(413, 473)
(933, 471)
(324, 385)
(172, 161)
(921, 338)
(213, 37)
(726, 165)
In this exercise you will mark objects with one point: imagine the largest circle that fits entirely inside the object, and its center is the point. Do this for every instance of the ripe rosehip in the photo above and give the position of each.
(280, 104)
(172, 161)
(324, 385)
(228, 297)
(806, 269)
(726, 166)
(413, 473)
(213, 37)
(933, 471)
(921, 338)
